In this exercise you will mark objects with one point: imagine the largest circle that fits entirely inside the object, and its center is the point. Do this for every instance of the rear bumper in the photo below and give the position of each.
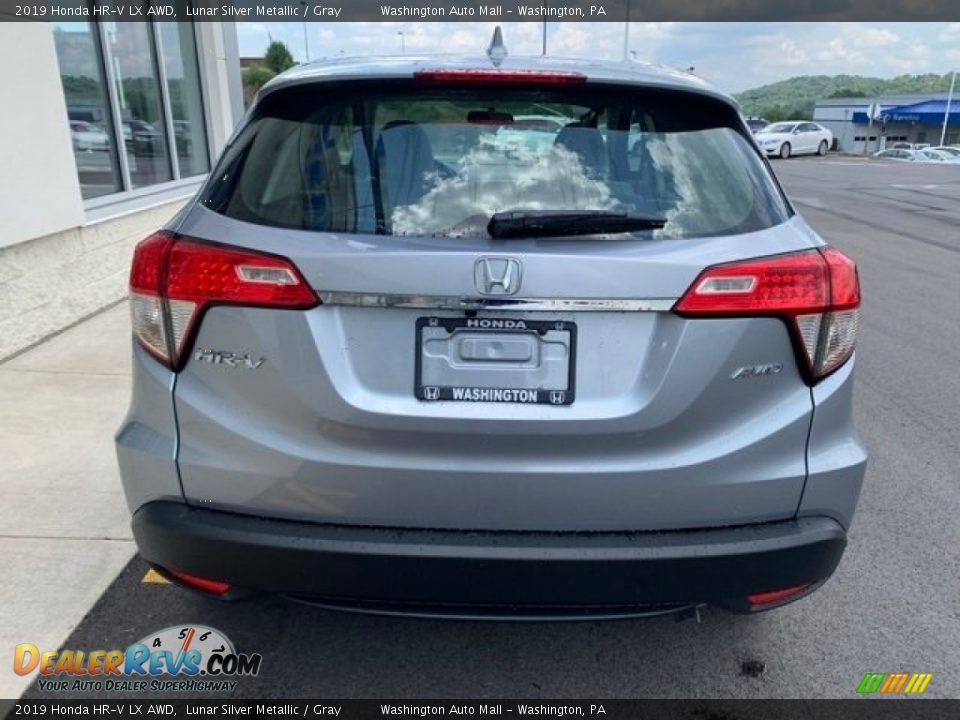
(478, 573)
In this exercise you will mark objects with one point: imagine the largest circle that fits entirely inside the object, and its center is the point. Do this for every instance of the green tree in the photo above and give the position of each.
(779, 113)
(254, 78)
(798, 95)
(277, 57)
(848, 93)
(79, 88)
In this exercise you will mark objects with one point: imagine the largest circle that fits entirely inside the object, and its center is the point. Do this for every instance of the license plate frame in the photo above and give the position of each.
(446, 393)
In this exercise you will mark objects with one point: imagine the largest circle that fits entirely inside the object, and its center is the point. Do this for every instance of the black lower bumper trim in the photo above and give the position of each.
(569, 573)
(502, 611)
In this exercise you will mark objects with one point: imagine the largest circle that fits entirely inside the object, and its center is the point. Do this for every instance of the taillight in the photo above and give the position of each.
(474, 76)
(146, 302)
(174, 279)
(816, 292)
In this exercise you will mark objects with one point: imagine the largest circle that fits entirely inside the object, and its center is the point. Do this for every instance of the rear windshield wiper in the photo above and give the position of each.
(547, 223)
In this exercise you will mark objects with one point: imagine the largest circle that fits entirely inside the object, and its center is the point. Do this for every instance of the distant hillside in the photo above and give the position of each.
(794, 98)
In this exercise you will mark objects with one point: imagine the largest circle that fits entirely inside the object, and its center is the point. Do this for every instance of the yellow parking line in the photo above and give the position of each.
(155, 578)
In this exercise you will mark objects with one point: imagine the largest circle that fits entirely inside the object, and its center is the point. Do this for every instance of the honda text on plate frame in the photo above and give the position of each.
(539, 341)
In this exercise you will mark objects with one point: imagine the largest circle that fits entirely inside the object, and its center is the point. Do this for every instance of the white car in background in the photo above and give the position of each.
(88, 137)
(898, 155)
(794, 137)
(937, 155)
(926, 155)
(953, 152)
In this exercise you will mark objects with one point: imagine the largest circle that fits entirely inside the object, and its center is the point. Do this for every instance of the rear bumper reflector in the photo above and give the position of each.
(775, 597)
(211, 586)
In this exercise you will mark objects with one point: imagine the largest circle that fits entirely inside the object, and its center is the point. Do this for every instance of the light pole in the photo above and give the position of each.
(306, 43)
(626, 33)
(544, 53)
(403, 45)
(946, 114)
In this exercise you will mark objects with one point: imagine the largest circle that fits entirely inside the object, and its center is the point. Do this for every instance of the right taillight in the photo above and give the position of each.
(173, 279)
(816, 292)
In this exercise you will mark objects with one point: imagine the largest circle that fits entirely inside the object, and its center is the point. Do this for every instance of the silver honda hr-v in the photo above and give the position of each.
(540, 340)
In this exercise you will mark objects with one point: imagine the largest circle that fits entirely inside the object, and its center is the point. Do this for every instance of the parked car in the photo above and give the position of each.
(88, 137)
(564, 385)
(142, 138)
(756, 124)
(183, 133)
(926, 155)
(794, 138)
(903, 154)
(938, 156)
(785, 139)
(949, 150)
(897, 154)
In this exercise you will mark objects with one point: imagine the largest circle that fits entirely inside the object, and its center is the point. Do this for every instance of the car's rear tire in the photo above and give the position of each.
(785, 151)
(822, 150)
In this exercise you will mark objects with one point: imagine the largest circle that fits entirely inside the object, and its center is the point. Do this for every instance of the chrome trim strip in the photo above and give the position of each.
(453, 302)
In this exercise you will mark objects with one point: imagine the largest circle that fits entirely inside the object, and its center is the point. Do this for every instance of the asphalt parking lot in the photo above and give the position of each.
(892, 606)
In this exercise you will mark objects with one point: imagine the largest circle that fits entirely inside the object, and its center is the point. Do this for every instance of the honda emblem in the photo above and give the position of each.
(497, 275)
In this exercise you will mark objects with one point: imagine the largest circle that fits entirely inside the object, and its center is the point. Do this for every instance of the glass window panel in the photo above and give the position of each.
(91, 124)
(442, 161)
(179, 53)
(130, 50)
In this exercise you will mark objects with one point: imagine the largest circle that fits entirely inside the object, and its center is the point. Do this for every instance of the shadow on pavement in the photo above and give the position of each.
(311, 652)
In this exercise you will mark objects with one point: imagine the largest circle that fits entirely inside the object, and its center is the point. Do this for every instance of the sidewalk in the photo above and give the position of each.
(64, 527)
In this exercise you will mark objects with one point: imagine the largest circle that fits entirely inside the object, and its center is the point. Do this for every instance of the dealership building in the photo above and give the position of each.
(107, 129)
(897, 118)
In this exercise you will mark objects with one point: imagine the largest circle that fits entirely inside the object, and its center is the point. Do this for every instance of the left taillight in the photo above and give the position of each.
(174, 279)
(817, 293)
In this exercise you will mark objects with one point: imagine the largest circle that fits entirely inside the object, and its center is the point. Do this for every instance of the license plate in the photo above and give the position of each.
(496, 360)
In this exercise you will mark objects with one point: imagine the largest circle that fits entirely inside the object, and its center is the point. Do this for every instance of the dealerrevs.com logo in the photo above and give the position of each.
(186, 658)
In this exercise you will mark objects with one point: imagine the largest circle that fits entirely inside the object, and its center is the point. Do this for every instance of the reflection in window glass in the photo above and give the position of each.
(130, 51)
(179, 52)
(443, 161)
(87, 109)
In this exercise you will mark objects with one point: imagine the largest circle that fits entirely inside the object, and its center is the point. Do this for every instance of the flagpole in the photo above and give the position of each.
(946, 115)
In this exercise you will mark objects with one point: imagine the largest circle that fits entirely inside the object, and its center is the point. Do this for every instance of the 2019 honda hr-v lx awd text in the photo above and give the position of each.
(540, 340)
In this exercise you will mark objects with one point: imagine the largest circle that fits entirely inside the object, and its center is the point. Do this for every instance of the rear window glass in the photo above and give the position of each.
(403, 159)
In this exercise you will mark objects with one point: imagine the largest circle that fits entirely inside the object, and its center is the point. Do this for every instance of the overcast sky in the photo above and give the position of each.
(736, 56)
